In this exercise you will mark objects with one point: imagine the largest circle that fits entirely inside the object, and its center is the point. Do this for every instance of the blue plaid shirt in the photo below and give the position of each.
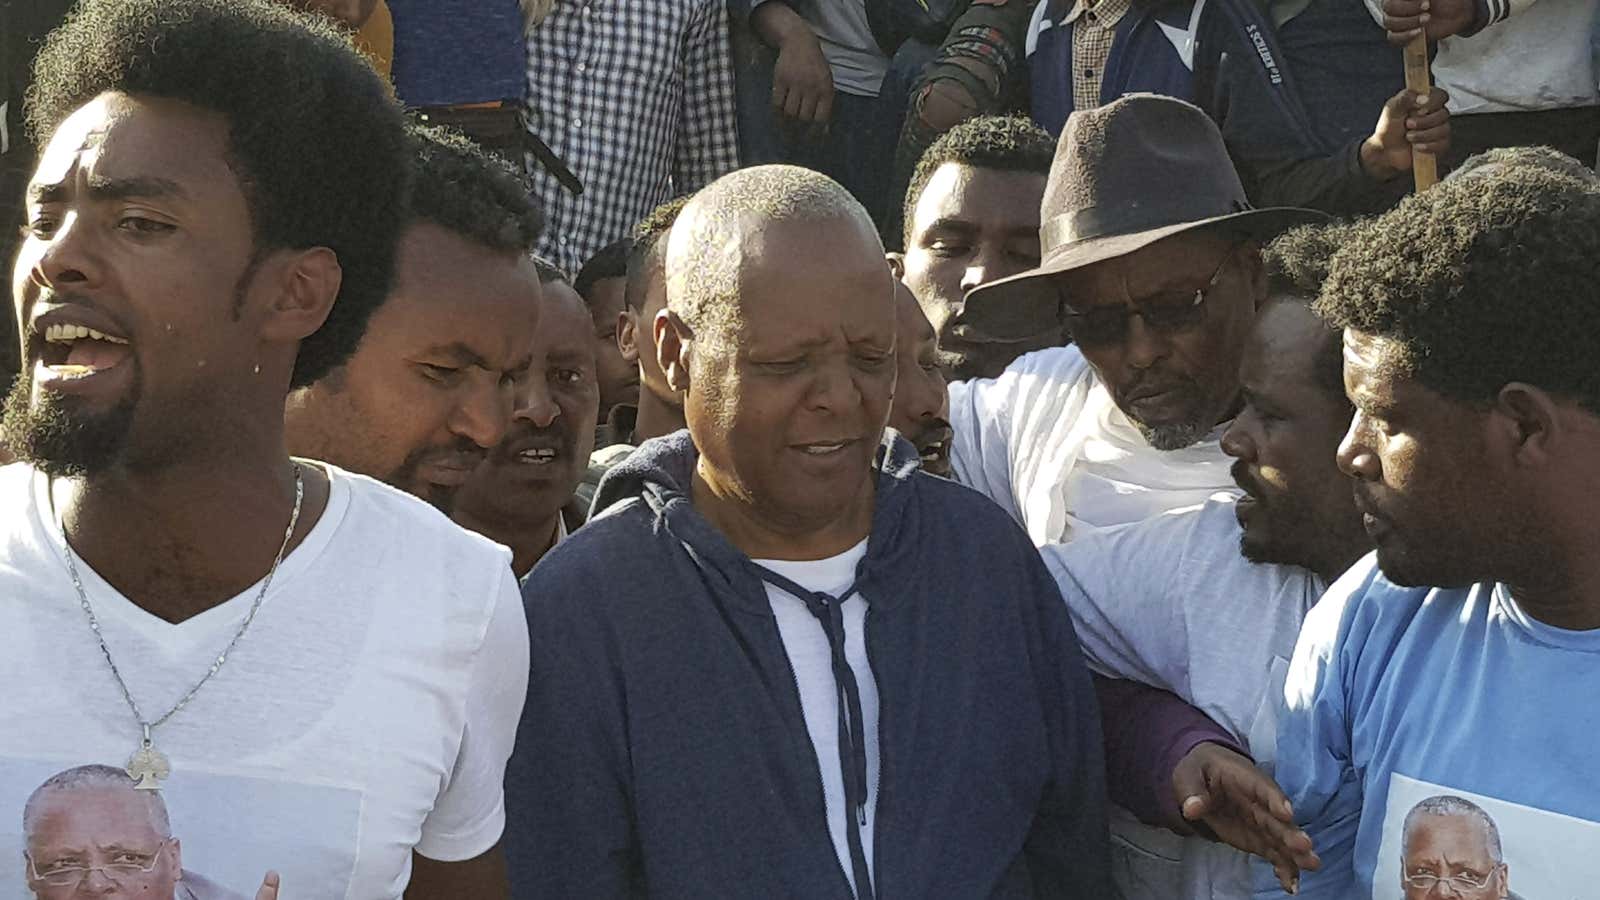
(636, 96)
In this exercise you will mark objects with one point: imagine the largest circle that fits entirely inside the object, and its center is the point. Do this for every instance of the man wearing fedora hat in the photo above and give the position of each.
(1151, 263)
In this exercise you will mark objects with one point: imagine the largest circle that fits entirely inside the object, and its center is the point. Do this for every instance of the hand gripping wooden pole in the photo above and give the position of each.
(1418, 82)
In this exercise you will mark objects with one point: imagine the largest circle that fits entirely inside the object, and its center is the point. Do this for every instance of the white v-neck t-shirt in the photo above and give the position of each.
(811, 658)
(368, 712)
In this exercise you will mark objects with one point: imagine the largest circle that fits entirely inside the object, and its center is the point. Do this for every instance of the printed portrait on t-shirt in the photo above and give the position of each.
(91, 831)
(1440, 842)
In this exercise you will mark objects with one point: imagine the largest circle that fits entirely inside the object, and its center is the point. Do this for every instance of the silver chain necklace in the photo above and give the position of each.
(148, 766)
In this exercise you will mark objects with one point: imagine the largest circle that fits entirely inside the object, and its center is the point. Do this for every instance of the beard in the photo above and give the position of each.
(58, 439)
(1175, 436)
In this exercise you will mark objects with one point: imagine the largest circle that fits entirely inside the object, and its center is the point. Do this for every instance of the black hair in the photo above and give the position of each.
(610, 262)
(1296, 265)
(314, 137)
(1002, 143)
(1480, 282)
(1542, 157)
(463, 188)
(549, 272)
(647, 249)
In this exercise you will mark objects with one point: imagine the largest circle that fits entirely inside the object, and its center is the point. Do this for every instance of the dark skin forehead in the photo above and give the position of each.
(1179, 263)
(790, 303)
(606, 298)
(969, 199)
(119, 147)
(453, 297)
(565, 331)
(1282, 356)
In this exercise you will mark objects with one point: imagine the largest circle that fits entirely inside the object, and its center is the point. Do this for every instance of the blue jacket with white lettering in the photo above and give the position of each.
(664, 753)
(1223, 56)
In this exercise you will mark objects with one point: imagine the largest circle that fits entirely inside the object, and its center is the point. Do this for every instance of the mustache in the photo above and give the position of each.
(1246, 481)
(1155, 382)
(934, 427)
(459, 448)
(558, 435)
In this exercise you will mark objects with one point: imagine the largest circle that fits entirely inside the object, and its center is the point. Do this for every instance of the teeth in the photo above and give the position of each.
(822, 449)
(69, 373)
(538, 455)
(65, 334)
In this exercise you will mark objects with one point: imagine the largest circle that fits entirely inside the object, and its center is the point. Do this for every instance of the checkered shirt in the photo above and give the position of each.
(636, 96)
(1094, 29)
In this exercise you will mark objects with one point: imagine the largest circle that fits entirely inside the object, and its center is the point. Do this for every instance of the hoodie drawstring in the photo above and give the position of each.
(852, 728)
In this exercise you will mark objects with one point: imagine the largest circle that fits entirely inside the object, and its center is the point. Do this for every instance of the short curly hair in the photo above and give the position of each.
(1543, 157)
(1296, 265)
(464, 189)
(1481, 282)
(649, 248)
(1002, 143)
(314, 137)
(611, 261)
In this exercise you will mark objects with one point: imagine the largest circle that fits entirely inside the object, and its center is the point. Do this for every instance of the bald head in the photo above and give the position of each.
(111, 784)
(737, 222)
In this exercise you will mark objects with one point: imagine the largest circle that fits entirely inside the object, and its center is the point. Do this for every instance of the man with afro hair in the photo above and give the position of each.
(1461, 657)
(309, 660)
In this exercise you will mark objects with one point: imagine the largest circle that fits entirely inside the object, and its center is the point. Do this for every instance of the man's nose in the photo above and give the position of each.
(537, 406)
(484, 414)
(1144, 346)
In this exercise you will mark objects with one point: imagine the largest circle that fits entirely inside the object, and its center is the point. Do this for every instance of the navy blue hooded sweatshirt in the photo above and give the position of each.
(663, 752)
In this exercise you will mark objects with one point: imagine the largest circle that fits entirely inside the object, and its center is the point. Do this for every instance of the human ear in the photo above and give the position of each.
(673, 341)
(1529, 420)
(302, 286)
(628, 335)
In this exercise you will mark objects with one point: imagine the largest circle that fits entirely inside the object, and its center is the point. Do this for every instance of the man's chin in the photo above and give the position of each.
(58, 439)
(1402, 568)
(1172, 436)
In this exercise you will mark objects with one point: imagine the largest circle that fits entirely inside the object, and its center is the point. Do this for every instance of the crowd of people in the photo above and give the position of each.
(799, 448)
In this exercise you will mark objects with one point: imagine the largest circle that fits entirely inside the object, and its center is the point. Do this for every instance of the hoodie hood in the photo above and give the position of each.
(660, 475)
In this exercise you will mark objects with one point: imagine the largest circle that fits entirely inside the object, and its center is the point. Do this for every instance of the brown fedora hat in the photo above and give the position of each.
(1125, 175)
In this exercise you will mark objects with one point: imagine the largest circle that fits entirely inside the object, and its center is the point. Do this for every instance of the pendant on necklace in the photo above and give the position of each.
(148, 767)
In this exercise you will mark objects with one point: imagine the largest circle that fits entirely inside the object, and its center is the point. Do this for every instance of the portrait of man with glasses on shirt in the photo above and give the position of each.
(90, 832)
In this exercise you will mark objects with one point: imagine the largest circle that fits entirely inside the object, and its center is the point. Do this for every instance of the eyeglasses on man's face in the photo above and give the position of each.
(124, 864)
(1169, 312)
(1426, 881)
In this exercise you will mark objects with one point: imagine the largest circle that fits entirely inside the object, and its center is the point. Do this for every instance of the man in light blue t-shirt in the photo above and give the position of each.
(1444, 698)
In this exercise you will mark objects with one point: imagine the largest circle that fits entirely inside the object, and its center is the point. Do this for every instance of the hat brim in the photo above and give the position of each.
(1025, 304)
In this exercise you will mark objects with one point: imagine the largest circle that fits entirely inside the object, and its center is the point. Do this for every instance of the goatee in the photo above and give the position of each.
(58, 440)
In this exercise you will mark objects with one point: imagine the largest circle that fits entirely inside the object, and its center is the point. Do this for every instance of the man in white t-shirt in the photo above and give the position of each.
(90, 825)
(1207, 602)
(1151, 258)
(321, 675)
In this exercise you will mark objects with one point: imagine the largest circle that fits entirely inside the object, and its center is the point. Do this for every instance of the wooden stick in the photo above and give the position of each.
(1419, 83)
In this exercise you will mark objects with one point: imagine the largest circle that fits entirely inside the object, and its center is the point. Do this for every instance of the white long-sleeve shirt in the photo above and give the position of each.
(1532, 55)
(1046, 442)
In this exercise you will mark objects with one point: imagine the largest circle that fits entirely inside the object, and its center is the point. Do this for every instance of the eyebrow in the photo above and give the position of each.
(950, 223)
(458, 353)
(101, 188)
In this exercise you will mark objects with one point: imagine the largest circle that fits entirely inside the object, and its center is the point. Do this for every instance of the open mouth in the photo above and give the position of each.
(70, 351)
(823, 448)
(933, 445)
(537, 456)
